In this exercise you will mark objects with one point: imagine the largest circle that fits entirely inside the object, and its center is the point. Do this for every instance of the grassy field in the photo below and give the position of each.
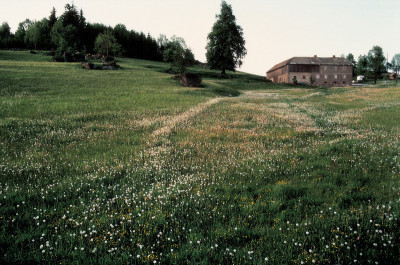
(129, 167)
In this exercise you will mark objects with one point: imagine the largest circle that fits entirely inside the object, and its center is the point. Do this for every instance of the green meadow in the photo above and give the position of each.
(130, 167)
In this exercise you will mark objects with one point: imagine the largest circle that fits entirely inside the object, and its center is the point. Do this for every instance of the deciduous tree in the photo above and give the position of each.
(362, 65)
(226, 45)
(376, 62)
(350, 57)
(106, 43)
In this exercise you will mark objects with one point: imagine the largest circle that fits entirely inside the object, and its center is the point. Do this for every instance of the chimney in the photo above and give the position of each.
(315, 56)
(333, 56)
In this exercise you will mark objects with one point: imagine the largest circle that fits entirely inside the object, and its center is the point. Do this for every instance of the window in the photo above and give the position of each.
(326, 76)
(325, 68)
(344, 76)
(304, 77)
(335, 76)
(335, 68)
(344, 68)
(317, 76)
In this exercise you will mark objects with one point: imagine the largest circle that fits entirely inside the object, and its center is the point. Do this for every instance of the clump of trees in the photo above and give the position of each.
(70, 33)
(373, 64)
(176, 52)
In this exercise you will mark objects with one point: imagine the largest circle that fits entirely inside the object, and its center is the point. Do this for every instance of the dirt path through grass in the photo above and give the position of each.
(172, 122)
(183, 117)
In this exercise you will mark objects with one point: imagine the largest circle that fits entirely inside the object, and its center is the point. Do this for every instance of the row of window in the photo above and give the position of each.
(334, 76)
(344, 68)
(326, 77)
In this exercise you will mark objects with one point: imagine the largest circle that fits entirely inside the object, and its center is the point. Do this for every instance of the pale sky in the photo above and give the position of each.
(274, 30)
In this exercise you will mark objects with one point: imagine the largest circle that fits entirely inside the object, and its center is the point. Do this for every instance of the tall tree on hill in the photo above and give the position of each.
(376, 62)
(226, 45)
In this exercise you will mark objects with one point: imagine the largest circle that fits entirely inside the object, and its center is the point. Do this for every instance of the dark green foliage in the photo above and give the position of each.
(6, 37)
(52, 18)
(176, 53)
(376, 62)
(37, 35)
(350, 57)
(362, 65)
(226, 45)
(106, 43)
(70, 33)
(312, 80)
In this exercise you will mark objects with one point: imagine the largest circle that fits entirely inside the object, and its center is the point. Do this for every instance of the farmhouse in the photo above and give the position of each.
(315, 70)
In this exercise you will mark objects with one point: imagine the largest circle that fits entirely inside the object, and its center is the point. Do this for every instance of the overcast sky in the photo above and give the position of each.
(274, 30)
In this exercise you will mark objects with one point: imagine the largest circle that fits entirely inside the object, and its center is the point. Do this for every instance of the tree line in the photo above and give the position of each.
(373, 64)
(71, 33)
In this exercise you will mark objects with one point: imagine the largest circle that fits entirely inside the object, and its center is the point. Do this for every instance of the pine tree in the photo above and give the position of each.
(226, 45)
(52, 18)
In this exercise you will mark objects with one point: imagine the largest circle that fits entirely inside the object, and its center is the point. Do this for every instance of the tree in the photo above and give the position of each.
(376, 62)
(362, 65)
(350, 57)
(5, 30)
(396, 64)
(37, 34)
(182, 59)
(5, 35)
(52, 18)
(226, 45)
(395, 61)
(176, 52)
(106, 43)
(171, 47)
(21, 32)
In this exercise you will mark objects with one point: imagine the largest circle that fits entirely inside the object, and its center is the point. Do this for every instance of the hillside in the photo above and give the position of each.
(130, 167)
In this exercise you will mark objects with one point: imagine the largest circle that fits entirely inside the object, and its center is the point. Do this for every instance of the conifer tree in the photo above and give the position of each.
(52, 18)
